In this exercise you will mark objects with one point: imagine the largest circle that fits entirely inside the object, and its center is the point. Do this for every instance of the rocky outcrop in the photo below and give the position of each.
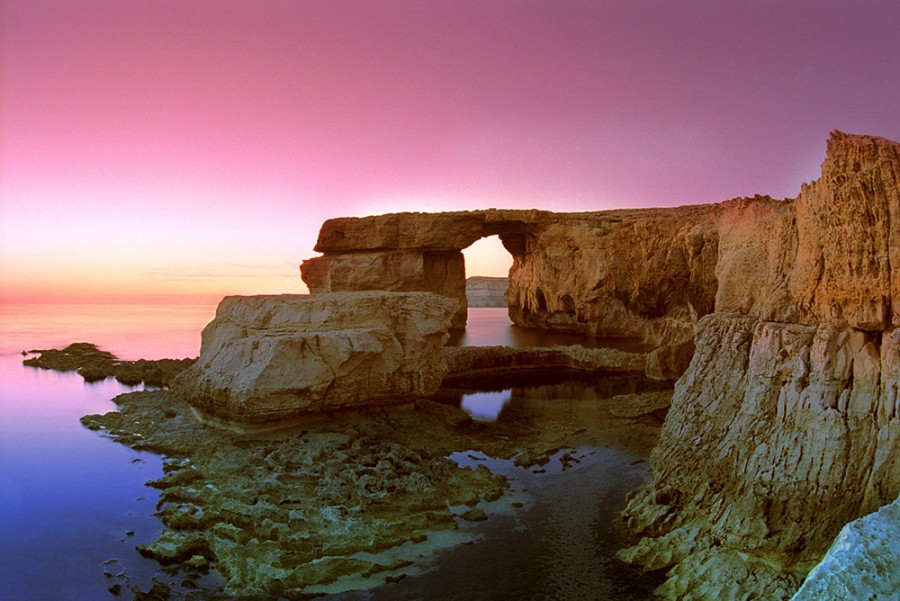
(646, 273)
(862, 562)
(267, 358)
(786, 425)
(484, 291)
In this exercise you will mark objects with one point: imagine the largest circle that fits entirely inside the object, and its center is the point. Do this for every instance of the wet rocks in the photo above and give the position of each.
(281, 513)
(270, 358)
(94, 365)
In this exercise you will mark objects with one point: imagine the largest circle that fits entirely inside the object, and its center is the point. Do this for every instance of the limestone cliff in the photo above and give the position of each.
(786, 425)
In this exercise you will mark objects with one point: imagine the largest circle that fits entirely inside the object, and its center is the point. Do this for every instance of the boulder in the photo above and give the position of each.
(267, 358)
(862, 562)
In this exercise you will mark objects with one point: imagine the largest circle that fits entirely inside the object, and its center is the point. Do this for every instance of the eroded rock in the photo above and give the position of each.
(269, 358)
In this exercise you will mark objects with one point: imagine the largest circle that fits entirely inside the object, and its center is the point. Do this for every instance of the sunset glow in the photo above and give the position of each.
(179, 151)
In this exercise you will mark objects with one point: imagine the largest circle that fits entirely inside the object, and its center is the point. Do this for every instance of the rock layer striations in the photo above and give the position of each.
(571, 272)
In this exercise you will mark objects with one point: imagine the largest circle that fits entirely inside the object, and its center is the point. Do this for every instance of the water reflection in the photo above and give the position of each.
(485, 406)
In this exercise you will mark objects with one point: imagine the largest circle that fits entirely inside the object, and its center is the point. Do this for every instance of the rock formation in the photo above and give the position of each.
(484, 291)
(476, 361)
(266, 358)
(646, 273)
(786, 426)
(94, 365)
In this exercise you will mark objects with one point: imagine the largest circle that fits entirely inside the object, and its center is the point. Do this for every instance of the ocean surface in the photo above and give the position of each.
(73, 504)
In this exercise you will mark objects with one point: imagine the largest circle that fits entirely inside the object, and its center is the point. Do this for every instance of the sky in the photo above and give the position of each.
(176, 151)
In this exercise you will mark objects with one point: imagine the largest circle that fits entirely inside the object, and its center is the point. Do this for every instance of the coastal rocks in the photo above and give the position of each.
(359, 500)
(646, 273)
(777, 436)
(269, 358)
(94, 365)
(289, 513)
(862, 562)
(786, 425)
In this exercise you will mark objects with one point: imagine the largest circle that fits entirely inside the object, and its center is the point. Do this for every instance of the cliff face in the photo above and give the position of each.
(786, 426)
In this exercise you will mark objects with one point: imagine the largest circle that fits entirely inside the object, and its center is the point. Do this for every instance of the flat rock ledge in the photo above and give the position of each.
(274, 358)
(477, 361)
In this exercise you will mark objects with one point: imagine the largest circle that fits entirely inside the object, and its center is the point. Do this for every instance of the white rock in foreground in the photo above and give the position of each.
(268, 358)
(863, 562)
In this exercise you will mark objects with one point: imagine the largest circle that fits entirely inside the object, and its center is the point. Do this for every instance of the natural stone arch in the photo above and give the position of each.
(645, 273)
(414, 251)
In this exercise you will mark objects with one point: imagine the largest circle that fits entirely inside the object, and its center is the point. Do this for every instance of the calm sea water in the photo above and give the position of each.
(74, 504)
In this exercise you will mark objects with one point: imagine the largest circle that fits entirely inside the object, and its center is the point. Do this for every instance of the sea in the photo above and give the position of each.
(74, 505)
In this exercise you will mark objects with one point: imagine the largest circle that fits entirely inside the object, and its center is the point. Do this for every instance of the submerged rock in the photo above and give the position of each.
(474, 361)
(270, 358)
(349, 502)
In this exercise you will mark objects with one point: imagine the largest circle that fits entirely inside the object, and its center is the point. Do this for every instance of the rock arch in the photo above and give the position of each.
(414, 251)
(648, 273)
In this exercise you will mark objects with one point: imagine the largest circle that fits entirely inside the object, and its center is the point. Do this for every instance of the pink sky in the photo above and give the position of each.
(156, 151)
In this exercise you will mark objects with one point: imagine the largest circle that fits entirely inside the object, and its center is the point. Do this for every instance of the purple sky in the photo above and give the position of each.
(182, 150)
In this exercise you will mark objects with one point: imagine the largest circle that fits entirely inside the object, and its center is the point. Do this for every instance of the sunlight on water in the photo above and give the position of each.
(128, 331)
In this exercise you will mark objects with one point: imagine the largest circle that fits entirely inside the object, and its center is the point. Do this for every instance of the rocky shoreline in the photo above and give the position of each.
(356, 499)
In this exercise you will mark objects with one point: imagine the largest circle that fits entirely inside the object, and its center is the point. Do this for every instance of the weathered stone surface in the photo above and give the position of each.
(357, 500)
(266, 358)
(825, 257)
(572, 272)
(786, 426)
(862, 562)
(486, 291)
(778, 435)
